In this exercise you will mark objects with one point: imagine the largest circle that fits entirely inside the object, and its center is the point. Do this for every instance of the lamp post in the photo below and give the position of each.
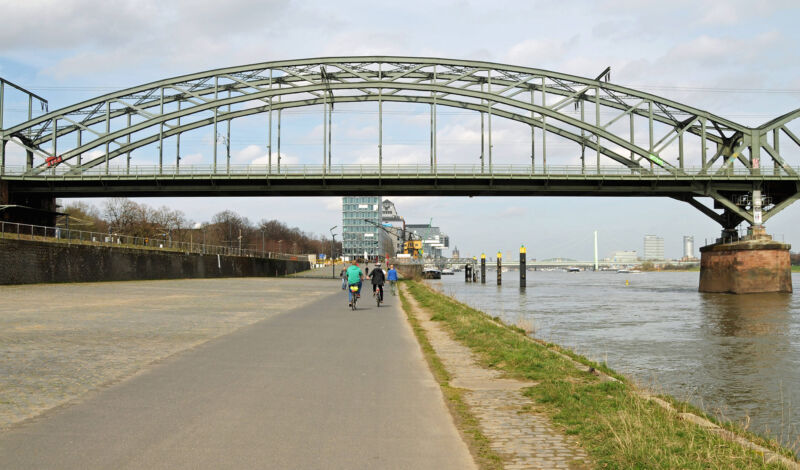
(333, 242)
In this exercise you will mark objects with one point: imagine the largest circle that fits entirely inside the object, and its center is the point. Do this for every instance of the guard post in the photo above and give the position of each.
(499, 268)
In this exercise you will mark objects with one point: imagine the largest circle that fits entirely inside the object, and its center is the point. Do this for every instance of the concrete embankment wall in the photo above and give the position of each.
(29, 262)
(408, 271)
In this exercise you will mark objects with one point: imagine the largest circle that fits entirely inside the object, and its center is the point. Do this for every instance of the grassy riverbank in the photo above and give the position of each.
(616, 425)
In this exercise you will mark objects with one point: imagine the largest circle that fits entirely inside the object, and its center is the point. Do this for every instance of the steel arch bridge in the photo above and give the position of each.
(639, 143)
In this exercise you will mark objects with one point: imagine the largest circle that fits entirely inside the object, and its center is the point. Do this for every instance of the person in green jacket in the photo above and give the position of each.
(354, 278)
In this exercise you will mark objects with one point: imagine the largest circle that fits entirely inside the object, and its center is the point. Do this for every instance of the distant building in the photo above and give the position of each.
(624, 257)
(361, 238)
(433, 240)
(688, 247)
(455, 253)
(393, 242)
(653, 248)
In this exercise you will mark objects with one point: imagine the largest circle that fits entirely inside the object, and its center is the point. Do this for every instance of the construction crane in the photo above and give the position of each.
(412, 244)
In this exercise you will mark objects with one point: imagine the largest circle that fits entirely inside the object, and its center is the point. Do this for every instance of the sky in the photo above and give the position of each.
(735, 58)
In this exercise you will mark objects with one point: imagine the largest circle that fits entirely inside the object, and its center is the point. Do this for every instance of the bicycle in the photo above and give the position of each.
(377, 295)
(355, 293)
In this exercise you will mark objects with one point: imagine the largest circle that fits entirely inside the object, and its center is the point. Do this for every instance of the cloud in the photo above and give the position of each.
(192, 159)
(734, 12)
(248, 154)
(539, 53)
(710, 51)
(71, 24)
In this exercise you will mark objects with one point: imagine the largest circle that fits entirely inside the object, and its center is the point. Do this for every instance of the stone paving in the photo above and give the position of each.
(524, 438)
(60, 341)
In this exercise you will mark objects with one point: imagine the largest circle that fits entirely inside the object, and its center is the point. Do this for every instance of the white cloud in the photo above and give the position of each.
(539, 53)
(710, 50)
(192, 159)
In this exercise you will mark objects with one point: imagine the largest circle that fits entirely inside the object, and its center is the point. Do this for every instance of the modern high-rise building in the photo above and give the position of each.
(372, 227)
(361, 234)
(688, 247)
(653, 248)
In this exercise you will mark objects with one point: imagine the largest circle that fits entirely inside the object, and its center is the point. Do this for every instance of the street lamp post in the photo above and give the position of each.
(333, 243)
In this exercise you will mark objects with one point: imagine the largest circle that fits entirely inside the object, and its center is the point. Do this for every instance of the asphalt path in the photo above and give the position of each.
(318, 387)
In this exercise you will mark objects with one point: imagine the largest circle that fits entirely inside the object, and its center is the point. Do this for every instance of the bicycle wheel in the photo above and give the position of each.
(378, 297)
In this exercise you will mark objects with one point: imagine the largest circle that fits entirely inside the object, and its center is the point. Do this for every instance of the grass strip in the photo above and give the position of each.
(466, 422)
(617, 427)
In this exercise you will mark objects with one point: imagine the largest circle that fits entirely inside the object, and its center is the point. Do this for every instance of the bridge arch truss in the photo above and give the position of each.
(646, 136)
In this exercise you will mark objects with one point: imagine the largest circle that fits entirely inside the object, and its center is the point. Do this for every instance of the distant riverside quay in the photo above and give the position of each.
(166, 374)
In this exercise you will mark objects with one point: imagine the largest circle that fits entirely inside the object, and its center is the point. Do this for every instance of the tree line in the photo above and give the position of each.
(227, 228)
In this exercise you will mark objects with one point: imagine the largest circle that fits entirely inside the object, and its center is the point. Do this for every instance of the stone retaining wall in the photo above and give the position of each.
(30, 262)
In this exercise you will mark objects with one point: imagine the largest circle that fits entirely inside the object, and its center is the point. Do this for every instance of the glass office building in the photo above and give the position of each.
(359, 237)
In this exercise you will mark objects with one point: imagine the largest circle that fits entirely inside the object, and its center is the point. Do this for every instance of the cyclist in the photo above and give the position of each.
(354, 277)
(378, 279)
(392, 278)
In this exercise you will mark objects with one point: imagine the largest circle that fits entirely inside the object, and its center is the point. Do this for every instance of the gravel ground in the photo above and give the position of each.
(60, 341)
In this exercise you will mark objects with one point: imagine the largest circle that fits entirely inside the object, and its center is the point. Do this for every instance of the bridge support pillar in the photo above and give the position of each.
(753, 264)
(27, 209)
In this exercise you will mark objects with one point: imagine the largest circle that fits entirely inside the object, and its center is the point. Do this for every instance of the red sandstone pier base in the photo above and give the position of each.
(748, 266)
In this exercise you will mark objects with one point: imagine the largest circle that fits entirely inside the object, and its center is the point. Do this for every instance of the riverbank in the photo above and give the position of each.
(617, 423)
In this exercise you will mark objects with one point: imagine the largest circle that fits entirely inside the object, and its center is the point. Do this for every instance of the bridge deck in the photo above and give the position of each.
(313, 180)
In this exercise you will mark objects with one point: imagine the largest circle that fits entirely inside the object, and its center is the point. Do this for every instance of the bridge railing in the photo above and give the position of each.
(369, 170)
(14, 230)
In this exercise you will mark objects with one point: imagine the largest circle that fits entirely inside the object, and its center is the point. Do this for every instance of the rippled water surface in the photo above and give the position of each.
(734, 355)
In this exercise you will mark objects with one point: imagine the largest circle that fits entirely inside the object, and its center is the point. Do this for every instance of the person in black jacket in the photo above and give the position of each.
(378, 279)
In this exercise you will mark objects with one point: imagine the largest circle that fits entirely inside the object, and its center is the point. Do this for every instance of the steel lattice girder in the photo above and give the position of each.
(366, 74)
(479, 86)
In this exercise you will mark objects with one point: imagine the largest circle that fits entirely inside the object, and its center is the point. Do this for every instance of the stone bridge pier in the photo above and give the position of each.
(751, 264)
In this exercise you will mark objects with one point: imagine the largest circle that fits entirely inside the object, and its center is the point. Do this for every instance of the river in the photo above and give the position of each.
(735, 356)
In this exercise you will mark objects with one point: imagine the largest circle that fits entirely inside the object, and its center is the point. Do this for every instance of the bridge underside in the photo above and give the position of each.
(423, 186)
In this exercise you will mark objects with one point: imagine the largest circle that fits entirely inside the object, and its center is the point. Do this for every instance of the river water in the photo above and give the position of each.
(735, 356)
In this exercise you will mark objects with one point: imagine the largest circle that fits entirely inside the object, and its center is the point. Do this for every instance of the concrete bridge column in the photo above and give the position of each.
(753, 264)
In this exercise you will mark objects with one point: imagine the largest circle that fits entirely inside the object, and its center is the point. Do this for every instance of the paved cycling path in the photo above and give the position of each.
(318, 387)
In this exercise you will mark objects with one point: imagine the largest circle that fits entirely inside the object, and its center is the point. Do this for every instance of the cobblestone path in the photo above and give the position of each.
(524, 438)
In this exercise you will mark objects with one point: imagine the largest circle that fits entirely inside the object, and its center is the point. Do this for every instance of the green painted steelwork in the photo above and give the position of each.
(118, 123)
